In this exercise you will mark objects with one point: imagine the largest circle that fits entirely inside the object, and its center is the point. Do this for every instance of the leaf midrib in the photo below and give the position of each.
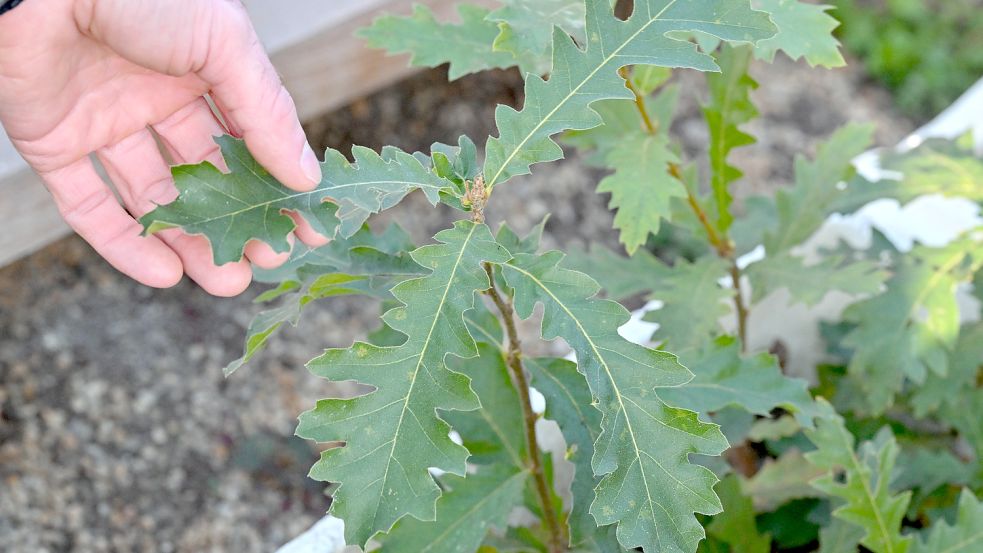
(614, 386)
(523, 473)
(572, 93)
(855, 461)
(288, 197)
(576, 405)
(423, 351)
(936, 276)
(597, 352)
(502, 436)
(968, 541)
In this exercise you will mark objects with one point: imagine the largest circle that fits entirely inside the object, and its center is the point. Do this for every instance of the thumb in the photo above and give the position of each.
(215, 40)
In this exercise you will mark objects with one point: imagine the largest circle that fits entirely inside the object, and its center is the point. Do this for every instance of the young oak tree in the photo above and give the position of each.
(645, 429)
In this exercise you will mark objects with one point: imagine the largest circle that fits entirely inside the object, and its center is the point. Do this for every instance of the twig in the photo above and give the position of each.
(735, 277)
(721, 244)
(514, 361)
(651, 127)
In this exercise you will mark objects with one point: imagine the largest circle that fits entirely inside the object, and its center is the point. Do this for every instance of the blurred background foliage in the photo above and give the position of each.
(927, 52)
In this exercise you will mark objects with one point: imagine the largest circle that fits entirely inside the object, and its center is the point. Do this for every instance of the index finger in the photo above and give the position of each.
(215, 40)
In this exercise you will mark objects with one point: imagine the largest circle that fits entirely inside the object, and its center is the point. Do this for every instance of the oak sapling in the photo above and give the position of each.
(650, 428)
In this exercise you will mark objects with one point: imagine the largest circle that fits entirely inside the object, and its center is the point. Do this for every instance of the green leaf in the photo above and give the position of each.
(964, 415)
(809, 284)
(928, 468)
(804, 31)
(346, 266)
(647, 78)
(729, 107)
(493, 434)
(865, 486)
(526, 28)
(978, 286)
(964, 366)
(393, 434)
(756, 384)
(840, 536)
(641, 187)
(455, 163)
(693, 303)
(620, 277)
(365, 252)
(465, 513)
(247, 203)
(528, 244)
(647, 485)
(621, 120)
(748, 231)
(784, 426)
(802, 209)
(384, 335)
(792, 526)
(735, 526)
(735, 423)
(582, 77)
(908, 329)
(782, 480)
(965, 536)
(568, 402)
(936, 166)
(267, 322)
(466, 46)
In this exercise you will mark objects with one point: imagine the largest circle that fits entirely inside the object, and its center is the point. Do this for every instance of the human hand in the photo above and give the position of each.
(84, 76)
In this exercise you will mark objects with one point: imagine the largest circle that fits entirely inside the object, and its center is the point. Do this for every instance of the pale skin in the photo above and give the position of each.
(114, 77)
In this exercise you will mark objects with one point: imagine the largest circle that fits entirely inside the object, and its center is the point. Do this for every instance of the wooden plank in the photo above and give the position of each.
(327, 69)
(334, 67)
(29, 216)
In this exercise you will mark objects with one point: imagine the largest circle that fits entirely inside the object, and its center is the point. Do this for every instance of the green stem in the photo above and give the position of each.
(514, 361)
(721, 244)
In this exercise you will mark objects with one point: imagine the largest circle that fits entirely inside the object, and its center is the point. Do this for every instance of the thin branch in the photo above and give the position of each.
(651, 127)
(514, 361)
(735, 277)
(721, 244)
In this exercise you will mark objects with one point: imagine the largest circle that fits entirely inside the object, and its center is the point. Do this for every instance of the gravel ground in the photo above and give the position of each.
(119, 433)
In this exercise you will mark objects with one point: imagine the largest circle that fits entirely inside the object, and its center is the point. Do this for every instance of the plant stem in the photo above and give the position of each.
(735, 277)
(514, 363)
(721, 244)
(650, 126)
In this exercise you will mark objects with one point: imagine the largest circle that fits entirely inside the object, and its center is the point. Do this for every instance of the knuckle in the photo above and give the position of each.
(86, 206)
(158, 192)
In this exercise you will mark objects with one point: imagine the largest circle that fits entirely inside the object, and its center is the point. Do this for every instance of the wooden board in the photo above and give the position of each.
(323, 68)
(29, 216)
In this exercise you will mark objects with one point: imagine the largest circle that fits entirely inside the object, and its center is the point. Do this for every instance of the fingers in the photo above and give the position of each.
(215, 40)
(306, 232)
(188, 135)
(144, 181)
(264, 256)
(266, 118)
(90, 208)
(226, 280)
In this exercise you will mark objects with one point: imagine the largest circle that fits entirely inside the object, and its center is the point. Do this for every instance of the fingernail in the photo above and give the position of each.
(310, 166)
